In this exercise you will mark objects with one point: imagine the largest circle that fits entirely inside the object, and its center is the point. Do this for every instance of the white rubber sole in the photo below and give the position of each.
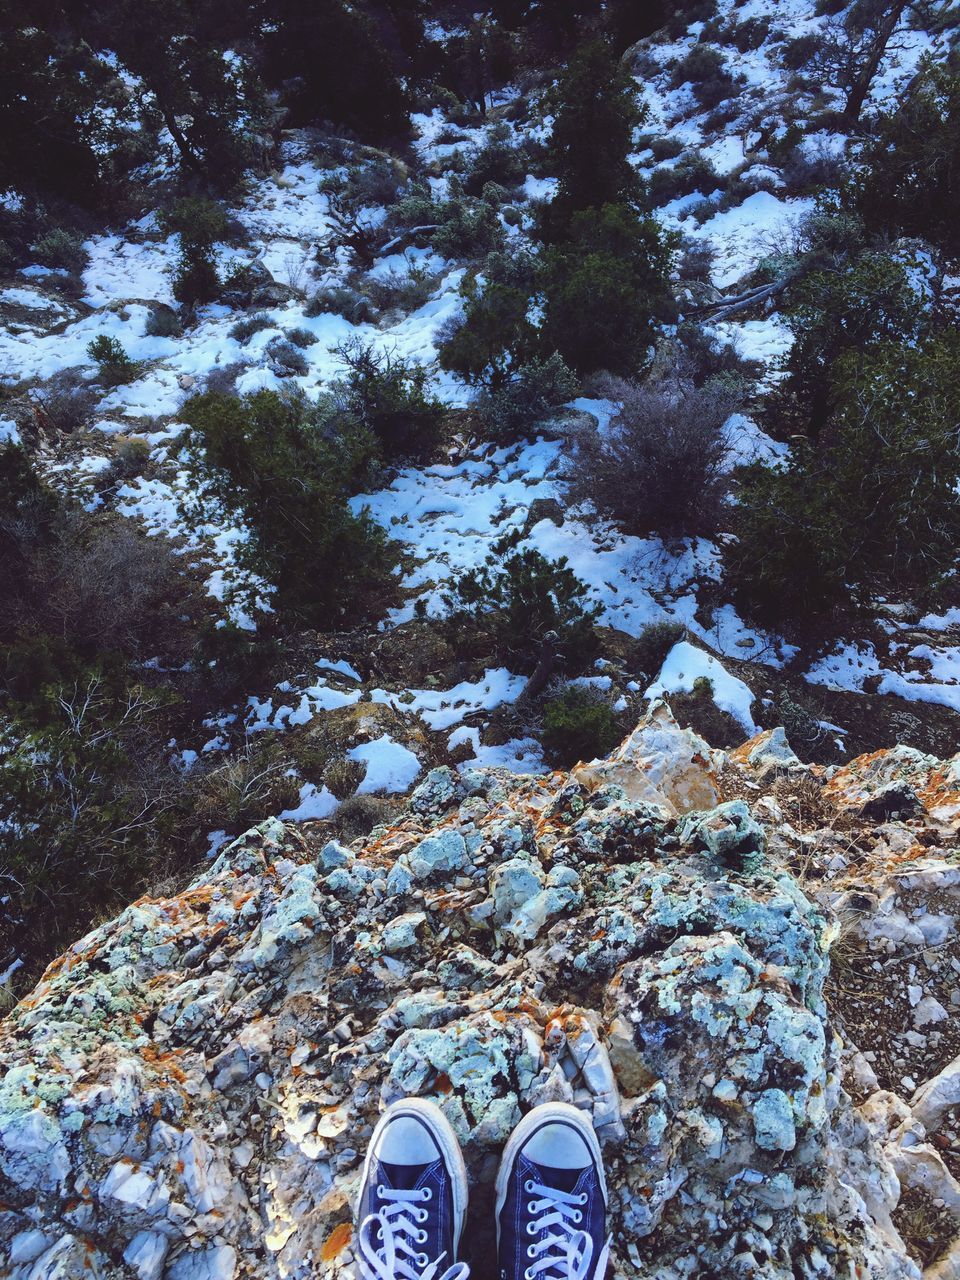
(441, 1129)
(531, 1122)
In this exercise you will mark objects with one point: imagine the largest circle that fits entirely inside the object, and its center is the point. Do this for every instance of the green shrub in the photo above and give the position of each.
(910, 180)
(460, 226)
(286, 360)
(88, 798)
(605, 288)
(872, 507)
(243, 330)
(196, 278)
(693, 173)
(131, 456)
(468, 230)
(116, 367)
(195, 220)
(499, 163)
(302, 338)
(338, 300)
(666, 147)
(685, 12)
(200, 224)
(596, 112)
(62, 248)
(387, 396)
(88, 794)
(234, 660)
(653, 644)
(578, 724)
(750, 34)
(854, 304)
(405, 291)
(288, 471)
(495, 334)
(529, 395)
(705, 68)
(528, 602)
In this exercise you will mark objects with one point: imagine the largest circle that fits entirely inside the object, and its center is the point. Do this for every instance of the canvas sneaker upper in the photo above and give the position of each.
(552, 1199)
(413, 1196)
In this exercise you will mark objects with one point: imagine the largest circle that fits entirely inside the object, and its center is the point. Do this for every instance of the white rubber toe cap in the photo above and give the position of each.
(558, 1146)
(407, 1140)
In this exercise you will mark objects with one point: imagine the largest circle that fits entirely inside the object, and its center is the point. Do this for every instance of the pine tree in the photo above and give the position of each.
(596, 113)
(53, 138)
(181, 55)
(329, 62)
(910, 180)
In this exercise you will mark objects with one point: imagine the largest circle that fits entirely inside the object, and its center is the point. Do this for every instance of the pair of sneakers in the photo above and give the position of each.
(551, 1198)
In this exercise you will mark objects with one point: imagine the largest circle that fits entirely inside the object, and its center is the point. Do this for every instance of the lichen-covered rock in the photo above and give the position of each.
(768, 751)
(188, 1092)
(728, 833)
(883, 777)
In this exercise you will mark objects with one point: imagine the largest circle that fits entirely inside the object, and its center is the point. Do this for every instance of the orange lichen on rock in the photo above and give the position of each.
(336, 1242)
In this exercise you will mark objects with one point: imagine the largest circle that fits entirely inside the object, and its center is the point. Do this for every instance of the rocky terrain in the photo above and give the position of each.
(745, 968)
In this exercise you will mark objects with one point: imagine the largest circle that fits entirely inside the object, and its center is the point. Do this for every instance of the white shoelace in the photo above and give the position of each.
(397, 1257)
(566, 1253)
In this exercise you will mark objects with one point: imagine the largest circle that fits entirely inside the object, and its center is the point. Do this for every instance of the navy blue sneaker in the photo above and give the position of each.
(552, 1199)
(413, 1197)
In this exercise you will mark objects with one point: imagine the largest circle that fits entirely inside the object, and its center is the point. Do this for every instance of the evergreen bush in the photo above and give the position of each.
(115, 366)
(289, 472)
(578, 724)
(528, 602)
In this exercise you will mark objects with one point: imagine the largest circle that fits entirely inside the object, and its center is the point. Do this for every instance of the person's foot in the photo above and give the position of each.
(552, 1199)
(413, 1197)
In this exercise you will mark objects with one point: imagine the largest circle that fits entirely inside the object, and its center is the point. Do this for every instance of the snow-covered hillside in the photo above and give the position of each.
(734, 178)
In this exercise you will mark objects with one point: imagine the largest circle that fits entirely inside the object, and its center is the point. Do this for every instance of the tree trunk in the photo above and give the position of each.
(179, 137)
(861, 86)
(544, 669)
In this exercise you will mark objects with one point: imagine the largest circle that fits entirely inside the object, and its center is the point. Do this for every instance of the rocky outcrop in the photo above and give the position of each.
(187, 1093)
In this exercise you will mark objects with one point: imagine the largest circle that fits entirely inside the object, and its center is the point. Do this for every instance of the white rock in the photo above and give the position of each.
(219, 1262)
(146, 1253)
(928, 1011)
(134, 1186)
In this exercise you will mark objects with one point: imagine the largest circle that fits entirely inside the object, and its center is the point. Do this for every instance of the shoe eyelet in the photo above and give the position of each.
(531, 1251)
(421, 1237)
(577, 1215)
(422, 1259)
(527, 1275)
(422, 1215)
(531, 1228)
(379, 1193)
(583, 1197)
(530, 1206)
(529, 1185)
(426, 1193)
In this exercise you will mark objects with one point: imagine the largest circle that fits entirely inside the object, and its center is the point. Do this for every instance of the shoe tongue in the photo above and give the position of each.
(404, 1177)
(561, 1179)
